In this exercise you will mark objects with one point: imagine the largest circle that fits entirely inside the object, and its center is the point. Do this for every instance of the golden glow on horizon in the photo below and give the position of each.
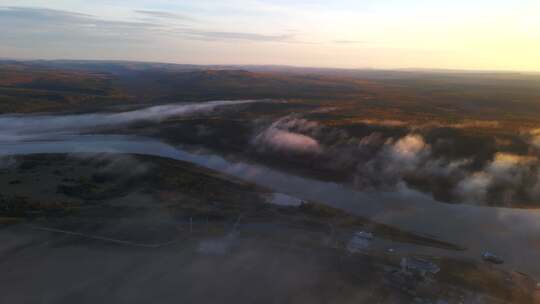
(486, 35)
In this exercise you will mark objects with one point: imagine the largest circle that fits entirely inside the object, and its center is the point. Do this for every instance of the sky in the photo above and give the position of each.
(386, 34)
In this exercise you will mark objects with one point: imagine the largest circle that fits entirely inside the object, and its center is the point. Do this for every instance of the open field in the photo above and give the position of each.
(177, 226)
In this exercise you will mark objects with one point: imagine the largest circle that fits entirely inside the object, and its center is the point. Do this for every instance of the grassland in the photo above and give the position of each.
(131, 206)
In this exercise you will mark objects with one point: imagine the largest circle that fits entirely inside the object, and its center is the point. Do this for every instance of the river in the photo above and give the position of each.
(513, 234)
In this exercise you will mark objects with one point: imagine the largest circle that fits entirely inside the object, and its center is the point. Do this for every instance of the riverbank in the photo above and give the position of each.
(172, 225)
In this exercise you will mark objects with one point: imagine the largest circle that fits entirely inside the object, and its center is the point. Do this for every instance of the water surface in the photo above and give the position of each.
(513, 234)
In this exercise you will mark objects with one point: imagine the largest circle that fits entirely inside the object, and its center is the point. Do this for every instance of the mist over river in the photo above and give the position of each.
(513, 234)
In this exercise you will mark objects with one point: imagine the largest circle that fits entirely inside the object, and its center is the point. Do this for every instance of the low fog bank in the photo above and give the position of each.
(445, 162)
(248, 272)
(438, 162)
(23, 127)
(501, 230)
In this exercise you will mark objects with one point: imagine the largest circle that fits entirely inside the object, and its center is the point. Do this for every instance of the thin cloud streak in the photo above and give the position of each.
(164, 15)
(349, 42)
(67, 27)
(217, 35)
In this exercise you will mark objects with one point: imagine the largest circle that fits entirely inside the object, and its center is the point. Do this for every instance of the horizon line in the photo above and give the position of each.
(397, 69)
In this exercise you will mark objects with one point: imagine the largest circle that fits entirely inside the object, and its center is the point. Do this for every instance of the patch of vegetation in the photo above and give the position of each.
(23, 207)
